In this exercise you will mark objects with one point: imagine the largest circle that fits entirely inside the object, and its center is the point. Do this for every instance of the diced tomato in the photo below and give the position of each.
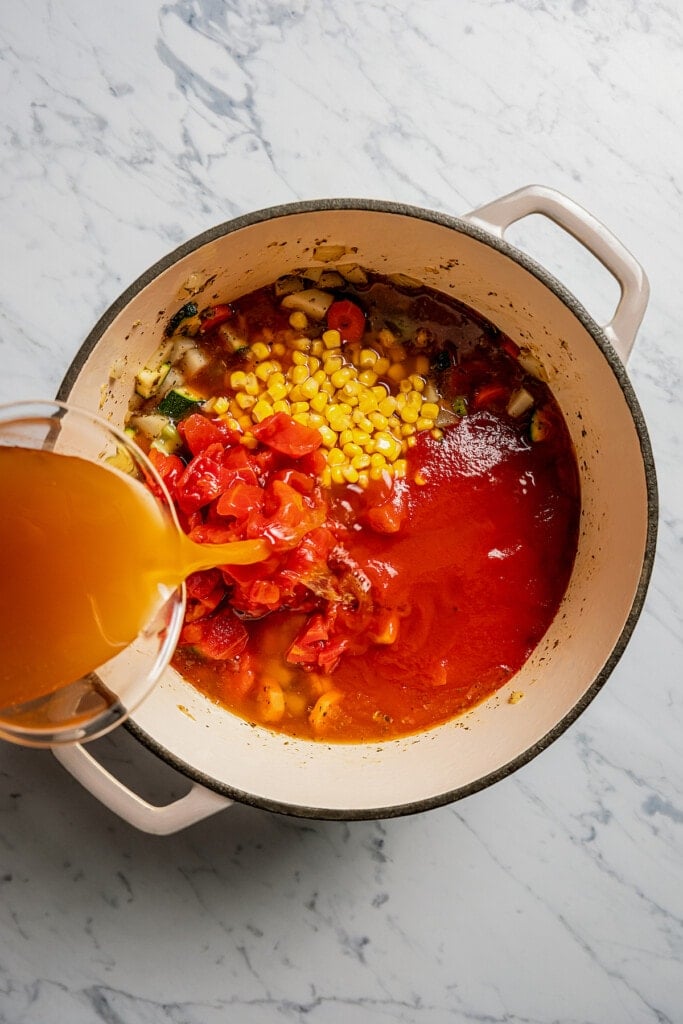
(215, 315)
(169, 467)
(290, 517)
(283, 434)
(304, 483)
(218, 636)
(240, 501)
(347, 318)
(199, 432)
(205, 591)
(211, 473)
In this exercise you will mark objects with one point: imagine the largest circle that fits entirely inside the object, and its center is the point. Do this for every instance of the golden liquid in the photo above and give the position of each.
(86, 557)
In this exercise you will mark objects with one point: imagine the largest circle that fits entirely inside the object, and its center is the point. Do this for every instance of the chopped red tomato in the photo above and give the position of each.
(283, 434)
(347, 318)
(241, 501)
(205, 591)
(169, 467)
(218, 636)
(199, 432)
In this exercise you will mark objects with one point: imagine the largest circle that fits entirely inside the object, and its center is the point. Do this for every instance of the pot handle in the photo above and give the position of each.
(498, 215)
(196, 805)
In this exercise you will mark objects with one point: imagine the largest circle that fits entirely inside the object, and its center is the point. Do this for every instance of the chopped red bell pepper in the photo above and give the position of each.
(490, 394)
(214, 316)
(347, 318)
(198, 432)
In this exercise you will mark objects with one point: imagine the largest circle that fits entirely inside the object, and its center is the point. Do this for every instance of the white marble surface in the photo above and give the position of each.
(555, 896)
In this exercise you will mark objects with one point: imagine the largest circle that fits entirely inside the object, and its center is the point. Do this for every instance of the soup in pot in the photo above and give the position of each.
(415, 479)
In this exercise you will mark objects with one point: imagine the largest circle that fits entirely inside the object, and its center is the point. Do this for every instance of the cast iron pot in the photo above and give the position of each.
(228, 759)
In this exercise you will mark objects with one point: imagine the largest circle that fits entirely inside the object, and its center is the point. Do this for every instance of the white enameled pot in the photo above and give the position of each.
(228, 759)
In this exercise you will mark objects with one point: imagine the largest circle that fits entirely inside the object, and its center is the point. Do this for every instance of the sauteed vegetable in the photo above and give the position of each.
(413, 474)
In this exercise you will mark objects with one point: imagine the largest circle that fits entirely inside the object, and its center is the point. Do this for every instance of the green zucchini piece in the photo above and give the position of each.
(460, 405)
(168, 441)
(178, 403)
(150, 379)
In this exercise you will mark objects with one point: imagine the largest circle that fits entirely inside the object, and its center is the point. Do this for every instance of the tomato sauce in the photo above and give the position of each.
(400, 594)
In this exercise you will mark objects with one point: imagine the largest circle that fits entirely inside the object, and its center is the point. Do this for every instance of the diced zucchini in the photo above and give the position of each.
(312, 302)
(122, 460)
(186, 312)
(168, 441)
(460, 405)
(178, 403)
(150, 379)
(539, 427)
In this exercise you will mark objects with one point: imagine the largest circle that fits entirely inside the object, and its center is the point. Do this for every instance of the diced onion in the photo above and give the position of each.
(519, 402)
(312, 302)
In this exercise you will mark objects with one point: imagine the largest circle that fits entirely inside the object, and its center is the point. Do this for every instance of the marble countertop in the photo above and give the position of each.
(554, 896)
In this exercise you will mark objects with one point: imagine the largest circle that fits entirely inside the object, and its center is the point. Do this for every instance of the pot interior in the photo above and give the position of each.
(607, 585)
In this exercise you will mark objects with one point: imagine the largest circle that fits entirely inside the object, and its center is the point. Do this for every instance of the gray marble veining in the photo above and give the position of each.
(556, 897)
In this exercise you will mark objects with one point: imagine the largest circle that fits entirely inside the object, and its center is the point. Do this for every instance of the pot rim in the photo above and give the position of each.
(599, 337)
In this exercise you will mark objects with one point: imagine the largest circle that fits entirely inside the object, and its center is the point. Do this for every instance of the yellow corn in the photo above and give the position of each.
(260, 351)
(298, 320)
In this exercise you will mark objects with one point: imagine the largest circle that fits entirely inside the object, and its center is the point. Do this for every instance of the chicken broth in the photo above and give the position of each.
(413, 475)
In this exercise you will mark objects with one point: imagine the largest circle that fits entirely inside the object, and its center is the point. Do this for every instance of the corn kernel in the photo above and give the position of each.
(265, 369)
(422, 365)
(298, 374)
(245, 401)
(411, 441)
(298, 320)
(387, 445)
(381, 366)
(300, 358)
(400, 468)
(332, 362)
(261, 410)
(420, 479)
(337, 474)
(408, 429)
(350, 449)
(278, 349)
(251, 385)
(361, 420)
(282, 406)
(238, 379)
(319, 400)
(376, 472)
(277, 390)
(340, 377)
(430, 409)
(345, 436)
(418, 382)
(378, 420)
(317, 348)
(405, 385)
(361, 437)
(301, 417)
(363, 478)
(221, 405)
(249, 441)
(367, 377)
(437, 434)
(409, 413)
(246, 424)
(315, 419)
(295, 394)
(309, 388)
(298, 407)
(424, 423)
(367, 358)
(361, 461)
(350, 474)
(377, 460)
(328, 387)
(313, 364)
(367, 402)
(387, 406)
(328, 435)
(335, 457)
(331, 339)
(300, 345)
(260, 351)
